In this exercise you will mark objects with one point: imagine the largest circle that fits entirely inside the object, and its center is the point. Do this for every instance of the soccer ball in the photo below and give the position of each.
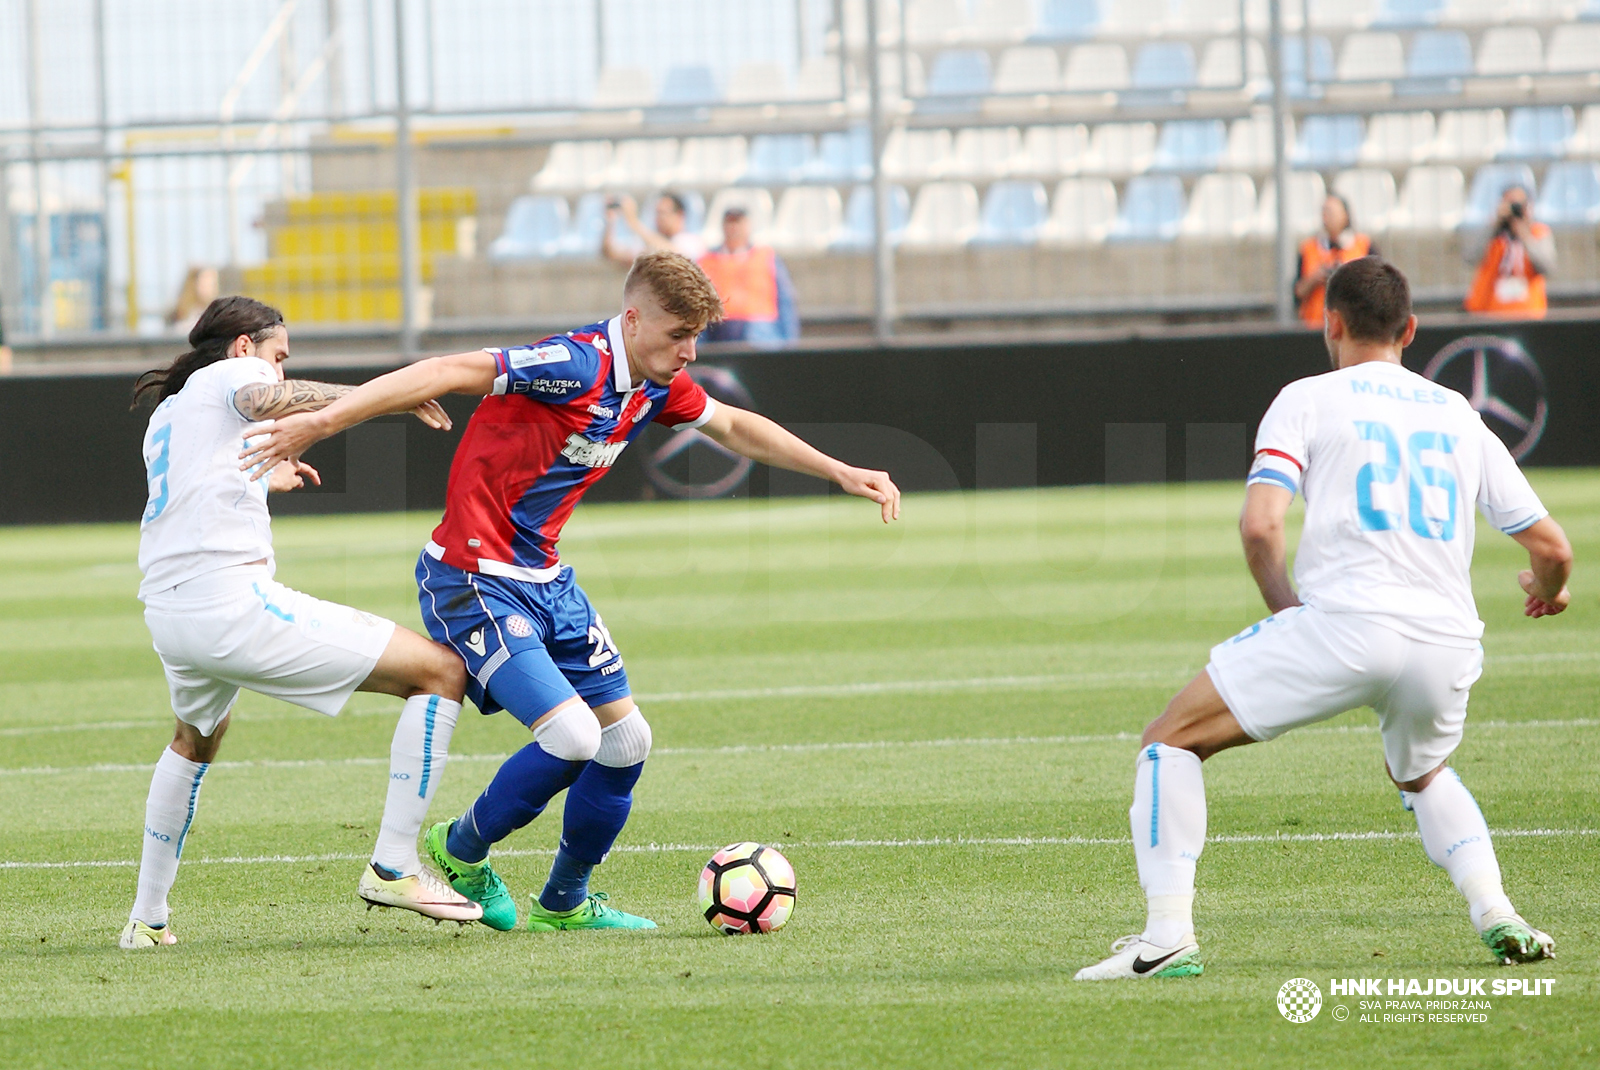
(747, 888)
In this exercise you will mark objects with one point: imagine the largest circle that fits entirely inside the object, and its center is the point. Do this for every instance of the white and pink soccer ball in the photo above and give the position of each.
(747, 888)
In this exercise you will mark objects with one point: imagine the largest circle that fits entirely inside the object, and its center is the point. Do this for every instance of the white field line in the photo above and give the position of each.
(770, 748)
(931, 841)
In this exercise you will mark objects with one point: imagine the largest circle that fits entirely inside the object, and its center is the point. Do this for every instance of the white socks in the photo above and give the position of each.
(416, 762)
(1457, 839)
(168, 813)
(1168, 819)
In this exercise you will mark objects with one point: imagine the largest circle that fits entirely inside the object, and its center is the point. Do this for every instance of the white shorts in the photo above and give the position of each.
(1302, 666)
(238, 627)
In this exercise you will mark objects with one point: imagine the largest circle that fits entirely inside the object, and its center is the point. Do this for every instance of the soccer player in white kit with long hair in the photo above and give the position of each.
(220, 622)
(1391, 466)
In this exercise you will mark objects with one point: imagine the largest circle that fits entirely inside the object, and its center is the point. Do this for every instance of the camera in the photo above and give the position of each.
(1518, 210)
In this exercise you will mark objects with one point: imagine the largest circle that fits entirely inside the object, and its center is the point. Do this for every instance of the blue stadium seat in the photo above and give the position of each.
(777, 159)
(856, 233)
(842, 156)
(958, 78)
(1395, 13)
(1571, 195)
(1537, 133)
(1295, 69)
(1490, 181)
(1152, 210)
(588, 226)
(534, 226)
(1328, 142)
(689, 85)
(1068, 20)
(1164, 65)
(1439, 60)
(1190, 145)
(1013, 214)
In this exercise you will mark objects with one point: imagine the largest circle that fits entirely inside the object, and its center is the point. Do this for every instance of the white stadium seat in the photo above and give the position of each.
(640, 163)
(1001, 20)
(1250, 142)
(1306, 194)
(757, 203)
(1470, 136)
(757, 83)
(1081, 213)
(1028, 69)
(916, 154)
(984, 152)
(808, 219)
(1221, 206)
(1121, 149)
(1208, 16)
(945, 214)
(1574, 49)
(1339, 14)
(1053, 150)
(710, 161)
(1509, 50)
(931, 22)
(1396, 138)
(1368, 57)
(1432, 199)
(574, 165)
(1370, 193)
(818, 79)
(1219, 64)
(1100, 67)
(624, 87)
(1142, 18)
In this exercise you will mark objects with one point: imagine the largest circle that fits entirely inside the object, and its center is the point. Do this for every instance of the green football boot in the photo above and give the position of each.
(476, 880)
(592, 913)
(1513, 940)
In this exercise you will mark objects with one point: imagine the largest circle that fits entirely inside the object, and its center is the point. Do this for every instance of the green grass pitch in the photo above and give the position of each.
(936, 722)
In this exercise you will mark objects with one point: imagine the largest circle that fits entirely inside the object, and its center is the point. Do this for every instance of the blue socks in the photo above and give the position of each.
(519, 792)
(597, 808)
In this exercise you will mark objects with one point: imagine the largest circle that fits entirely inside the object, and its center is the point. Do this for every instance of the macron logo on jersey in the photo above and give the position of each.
(580, 450)
(554, 353)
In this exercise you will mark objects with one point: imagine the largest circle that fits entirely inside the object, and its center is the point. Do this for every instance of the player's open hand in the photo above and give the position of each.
(864, 483)
(291, 475)
(271, 442)
(432, 414)
(1537, 605)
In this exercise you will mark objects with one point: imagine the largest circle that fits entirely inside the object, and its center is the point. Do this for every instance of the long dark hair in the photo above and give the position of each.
(224, 319)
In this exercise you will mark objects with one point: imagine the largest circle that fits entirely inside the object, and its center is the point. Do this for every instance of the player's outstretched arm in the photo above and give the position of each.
(759, 439)
(268, 401)
(1265, 549)
(1550, 561)
(407, 389)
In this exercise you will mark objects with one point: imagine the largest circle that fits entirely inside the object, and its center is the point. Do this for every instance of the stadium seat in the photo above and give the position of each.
(958, 79)
(1329, 141)
(1001, 21)
(1432, 199)
(585, 228)
(1152, 210)
(916, 154)
(1067, 20)
(1053, 150)
(858, 221)
(1537, 133)
(1489, 182)
(777, 159)
(1221, 206)
(1508, 50)
(1398, 138)
(1028, 69)
(1207, 16)
(624, 87)
(1340, 14)
(533, 228)
(1306, 194)
(1135, 18)
(842, 156)
(808, 219)
(1439, 60)
(641, 163)
(1120, 149)
(1587, 140)
(1256, 16)
(1082, 212)
(758, 83)
(757, 204)
(1574, 49)
(1370, 194)
(711, 161)
(932, 22)
(1219, 66)
(1408, 13)
(1096, 68)
(1013, 214)
(1473, 12)
(1470, 136)
(1163, 65)
(574, 165)
(1571, 195)
(1190, 145)
(1299, 79)
(689, 85)
(1250, 143)
(1371, 57)
(984, 152)
(945, 214)
(818, 79)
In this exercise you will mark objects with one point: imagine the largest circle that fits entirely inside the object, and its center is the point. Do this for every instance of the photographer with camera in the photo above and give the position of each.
(1514, 257)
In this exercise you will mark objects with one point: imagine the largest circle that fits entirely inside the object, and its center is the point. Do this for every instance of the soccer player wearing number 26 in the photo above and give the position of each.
(556, 417)
(1391, 466)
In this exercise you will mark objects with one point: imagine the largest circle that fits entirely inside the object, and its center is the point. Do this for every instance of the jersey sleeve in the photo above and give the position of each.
(1283, 441)
(238, 372)
(688, 405)
(554, 370)
(1504, 497)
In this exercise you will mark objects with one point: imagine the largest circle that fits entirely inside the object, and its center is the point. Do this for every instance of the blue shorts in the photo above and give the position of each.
(529, 647)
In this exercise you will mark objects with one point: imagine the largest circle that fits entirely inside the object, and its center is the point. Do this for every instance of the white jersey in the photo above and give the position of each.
(203, 513)
(1391, 466)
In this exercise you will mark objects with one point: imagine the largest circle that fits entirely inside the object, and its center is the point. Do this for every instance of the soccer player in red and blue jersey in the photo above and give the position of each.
(492, 585)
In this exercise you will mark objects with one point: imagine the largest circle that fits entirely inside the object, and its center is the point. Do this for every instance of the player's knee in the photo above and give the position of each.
(625, 742)
(450, 675)
(571, 734)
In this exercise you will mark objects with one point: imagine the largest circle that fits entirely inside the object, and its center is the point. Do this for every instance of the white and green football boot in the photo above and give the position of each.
(1134, 959)
(1513, 940)
(592, 913)
(422, 892)
(136, 934)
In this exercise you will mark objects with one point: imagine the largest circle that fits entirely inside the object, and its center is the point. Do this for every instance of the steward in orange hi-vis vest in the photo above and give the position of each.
(746, 280)
(1508, 282)
(1318, 256)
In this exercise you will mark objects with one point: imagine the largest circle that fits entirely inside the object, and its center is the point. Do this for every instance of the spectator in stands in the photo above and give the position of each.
(672, 229)
(1321, 254)
(201, 286)
(1513, 256)
(757, 296)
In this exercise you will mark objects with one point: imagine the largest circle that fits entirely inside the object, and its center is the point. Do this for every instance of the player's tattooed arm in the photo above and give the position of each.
(268, 401)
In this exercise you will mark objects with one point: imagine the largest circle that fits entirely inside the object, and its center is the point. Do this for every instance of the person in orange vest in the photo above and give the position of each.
(1513, 256)
(1321, 254)
(757, 295)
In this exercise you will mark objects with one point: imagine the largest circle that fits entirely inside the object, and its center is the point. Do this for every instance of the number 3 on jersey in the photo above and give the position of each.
(1420, 475)
(157, 466)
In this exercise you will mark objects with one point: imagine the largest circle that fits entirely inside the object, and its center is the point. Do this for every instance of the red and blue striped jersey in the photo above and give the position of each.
(561, 413)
